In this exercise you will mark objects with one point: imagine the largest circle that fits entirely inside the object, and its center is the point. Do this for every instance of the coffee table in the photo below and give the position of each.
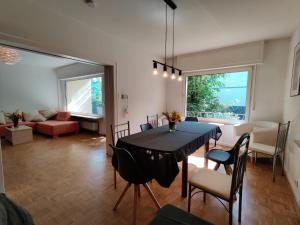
(19, 135)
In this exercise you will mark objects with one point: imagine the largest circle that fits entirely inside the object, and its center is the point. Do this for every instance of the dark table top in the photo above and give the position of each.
(162, 140)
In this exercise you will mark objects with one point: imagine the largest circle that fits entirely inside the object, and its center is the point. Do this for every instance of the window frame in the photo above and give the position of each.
(83, 77)
(250, 71)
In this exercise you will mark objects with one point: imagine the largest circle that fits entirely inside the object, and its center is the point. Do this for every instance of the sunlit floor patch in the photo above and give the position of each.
(199, 162)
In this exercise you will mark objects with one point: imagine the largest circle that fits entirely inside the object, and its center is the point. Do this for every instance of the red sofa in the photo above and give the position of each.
(49, 127)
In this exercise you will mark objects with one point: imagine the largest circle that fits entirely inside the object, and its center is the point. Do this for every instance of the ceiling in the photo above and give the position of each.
(199, 24)
(42, 60)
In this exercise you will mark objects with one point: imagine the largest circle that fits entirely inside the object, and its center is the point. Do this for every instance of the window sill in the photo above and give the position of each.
(220, 121)
(86, 116)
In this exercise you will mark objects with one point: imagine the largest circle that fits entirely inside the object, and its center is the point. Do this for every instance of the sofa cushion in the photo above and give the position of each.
(63, 116)
(33, 116)
(48, 113)
(54, 127)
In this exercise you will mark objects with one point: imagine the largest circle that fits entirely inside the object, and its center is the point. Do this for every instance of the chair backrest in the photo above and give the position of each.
(119, 131)
(282, 134)
(240, 162)
(153, 120)
(265, 124)
(191, 118)
(127, 166)
(146, 126)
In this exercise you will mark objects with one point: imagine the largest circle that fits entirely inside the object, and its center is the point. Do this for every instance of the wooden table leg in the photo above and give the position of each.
(184, 177)
(206, 150)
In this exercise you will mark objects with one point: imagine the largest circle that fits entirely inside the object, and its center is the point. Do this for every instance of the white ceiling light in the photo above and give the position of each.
(9, 56)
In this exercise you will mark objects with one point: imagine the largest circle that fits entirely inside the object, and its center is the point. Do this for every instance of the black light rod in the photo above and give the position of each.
(171, 4)
(166, 65)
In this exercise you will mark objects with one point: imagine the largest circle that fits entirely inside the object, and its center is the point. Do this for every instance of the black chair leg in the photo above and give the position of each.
(115, 178)
(230, 212)
(274, 167)
(189, 198)
(240, 203)
(217, 166)
(204, 196)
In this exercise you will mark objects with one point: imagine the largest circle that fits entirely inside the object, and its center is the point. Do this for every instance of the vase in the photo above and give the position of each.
(16, 122)
(172, 126)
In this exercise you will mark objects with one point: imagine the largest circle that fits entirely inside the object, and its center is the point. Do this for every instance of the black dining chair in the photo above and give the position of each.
(133, 174)
(191, 118)
(146, 126)
(119, 131)
(221, 185)
(171, 215)
(221, 156)
(153, 120)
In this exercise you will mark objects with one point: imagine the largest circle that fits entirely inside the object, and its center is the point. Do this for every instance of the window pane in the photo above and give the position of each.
(221, 96)
(84, 96)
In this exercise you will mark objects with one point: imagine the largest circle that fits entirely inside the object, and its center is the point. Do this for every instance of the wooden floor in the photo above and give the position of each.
(69, 181)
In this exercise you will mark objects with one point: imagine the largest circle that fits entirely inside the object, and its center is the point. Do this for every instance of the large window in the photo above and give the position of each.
(84, 96)
(218, 95)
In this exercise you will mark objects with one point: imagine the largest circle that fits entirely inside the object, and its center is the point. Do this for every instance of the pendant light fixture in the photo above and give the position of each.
(165, 66)
(9, 56)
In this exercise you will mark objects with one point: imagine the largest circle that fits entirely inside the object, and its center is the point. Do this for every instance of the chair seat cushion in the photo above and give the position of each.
(217, 155)
(213, 182)
(265, 149)
(171, 215)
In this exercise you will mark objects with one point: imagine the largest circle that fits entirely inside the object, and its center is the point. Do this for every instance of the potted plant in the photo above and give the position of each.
(15, 117)
(173, 118)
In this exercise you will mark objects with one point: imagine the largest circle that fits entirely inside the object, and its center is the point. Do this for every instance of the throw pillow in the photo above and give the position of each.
(47, 113)
(2, 118)
(63, 116)
(33, 116)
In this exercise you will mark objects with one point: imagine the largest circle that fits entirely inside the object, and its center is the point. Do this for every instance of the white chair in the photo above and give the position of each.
(261, 132)
(274, 151)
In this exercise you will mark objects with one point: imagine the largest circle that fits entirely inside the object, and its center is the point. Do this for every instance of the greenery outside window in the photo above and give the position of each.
(84, 96)
(219, 95)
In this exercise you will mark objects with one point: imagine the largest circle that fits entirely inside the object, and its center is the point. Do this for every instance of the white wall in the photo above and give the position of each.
(270, 77)
(45, 29)
(27, 88)
(271, 59)
(292, 113)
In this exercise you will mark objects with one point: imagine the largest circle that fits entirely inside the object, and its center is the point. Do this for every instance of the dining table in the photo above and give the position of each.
(157, 151)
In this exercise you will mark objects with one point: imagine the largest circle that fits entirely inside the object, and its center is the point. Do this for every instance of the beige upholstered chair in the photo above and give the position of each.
(261, 132)
(276, 151)
(221, 185)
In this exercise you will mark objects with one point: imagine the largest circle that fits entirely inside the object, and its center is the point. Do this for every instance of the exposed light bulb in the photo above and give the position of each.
(173, 74)
(179, 78)
(165, 74)
(155, 71)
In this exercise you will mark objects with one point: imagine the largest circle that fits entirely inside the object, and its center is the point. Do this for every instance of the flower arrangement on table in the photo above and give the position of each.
(173, 118)
(15, 117)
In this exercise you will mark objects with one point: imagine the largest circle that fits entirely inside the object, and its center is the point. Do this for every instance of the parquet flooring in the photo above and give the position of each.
(69, 181)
